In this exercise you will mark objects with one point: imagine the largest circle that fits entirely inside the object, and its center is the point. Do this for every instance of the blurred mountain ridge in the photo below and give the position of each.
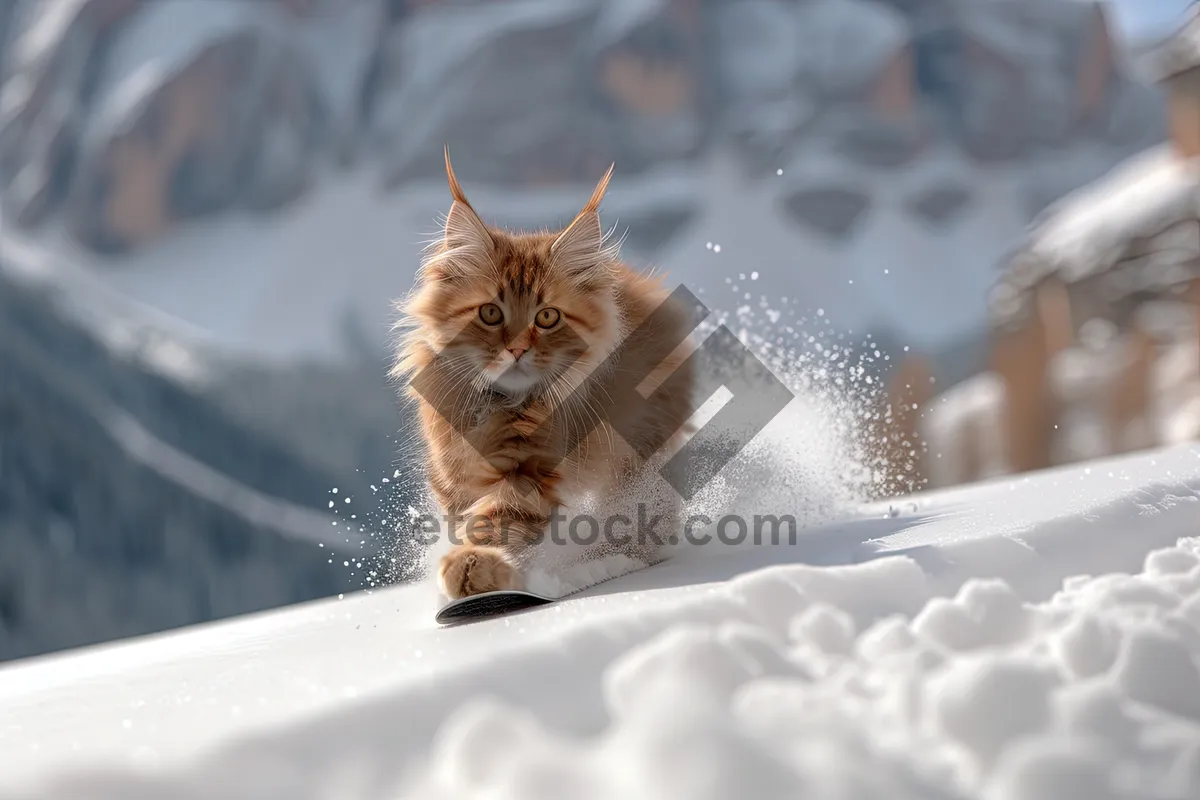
(121, 119)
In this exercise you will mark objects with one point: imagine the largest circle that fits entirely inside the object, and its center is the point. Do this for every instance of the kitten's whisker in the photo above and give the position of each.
(459, 372)
(560, 409)
(584, 398)
(586, 376)
(585, 405)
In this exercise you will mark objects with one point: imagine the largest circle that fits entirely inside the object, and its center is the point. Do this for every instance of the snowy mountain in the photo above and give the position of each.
(1028, 639)
(852, 152)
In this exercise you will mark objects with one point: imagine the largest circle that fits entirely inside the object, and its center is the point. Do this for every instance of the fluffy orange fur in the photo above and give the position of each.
(503, 327)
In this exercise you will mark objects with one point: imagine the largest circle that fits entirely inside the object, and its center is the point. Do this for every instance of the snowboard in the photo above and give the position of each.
(489, 604)
(509, 601)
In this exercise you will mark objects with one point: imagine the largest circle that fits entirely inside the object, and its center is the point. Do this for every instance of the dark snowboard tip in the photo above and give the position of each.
(488, 604)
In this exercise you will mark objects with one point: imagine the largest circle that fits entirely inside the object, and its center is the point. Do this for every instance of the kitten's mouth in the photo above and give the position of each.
(513, 378)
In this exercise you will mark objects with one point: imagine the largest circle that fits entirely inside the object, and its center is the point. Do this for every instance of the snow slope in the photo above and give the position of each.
(930, 650)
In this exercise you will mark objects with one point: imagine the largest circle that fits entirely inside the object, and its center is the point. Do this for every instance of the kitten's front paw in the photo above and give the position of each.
(469, 570)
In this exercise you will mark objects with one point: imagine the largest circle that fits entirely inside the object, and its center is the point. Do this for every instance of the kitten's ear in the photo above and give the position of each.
(580, 247)
(464, 228)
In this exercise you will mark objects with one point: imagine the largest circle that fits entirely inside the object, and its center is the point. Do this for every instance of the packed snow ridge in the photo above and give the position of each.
(782, 686)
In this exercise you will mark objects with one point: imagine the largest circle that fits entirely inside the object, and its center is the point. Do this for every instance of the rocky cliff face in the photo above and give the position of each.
(121, 119)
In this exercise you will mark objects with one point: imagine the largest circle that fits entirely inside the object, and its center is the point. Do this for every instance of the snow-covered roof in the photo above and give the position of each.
(1181, 52)
(1087, 231)
(1093, 230)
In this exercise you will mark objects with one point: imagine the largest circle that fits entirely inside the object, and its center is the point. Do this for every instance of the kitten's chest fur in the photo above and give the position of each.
(534, 427)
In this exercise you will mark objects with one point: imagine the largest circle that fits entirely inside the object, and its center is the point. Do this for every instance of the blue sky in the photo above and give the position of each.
(1141, 18)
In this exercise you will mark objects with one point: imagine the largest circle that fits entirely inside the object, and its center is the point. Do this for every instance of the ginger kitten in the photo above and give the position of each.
(514, 336)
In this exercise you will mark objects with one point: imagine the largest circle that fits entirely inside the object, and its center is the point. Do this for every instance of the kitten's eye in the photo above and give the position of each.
(491, 314)
(547, 318)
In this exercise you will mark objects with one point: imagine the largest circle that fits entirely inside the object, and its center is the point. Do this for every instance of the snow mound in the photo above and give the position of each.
(1094, 693)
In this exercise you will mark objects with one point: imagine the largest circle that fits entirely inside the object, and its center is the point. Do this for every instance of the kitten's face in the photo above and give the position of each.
(518, 313)
(519, 321)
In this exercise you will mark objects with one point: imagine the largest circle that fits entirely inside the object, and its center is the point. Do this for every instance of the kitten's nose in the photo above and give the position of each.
(517, 352)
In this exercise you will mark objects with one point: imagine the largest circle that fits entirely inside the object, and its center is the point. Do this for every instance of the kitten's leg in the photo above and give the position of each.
(498, 533)
(487, 560)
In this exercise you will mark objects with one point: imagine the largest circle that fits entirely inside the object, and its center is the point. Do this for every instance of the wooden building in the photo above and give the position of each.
(1095, 320)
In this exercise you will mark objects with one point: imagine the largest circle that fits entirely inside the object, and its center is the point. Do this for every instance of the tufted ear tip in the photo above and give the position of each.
(593, 203)
(464, 229)
(456, 191)
(584, 237)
